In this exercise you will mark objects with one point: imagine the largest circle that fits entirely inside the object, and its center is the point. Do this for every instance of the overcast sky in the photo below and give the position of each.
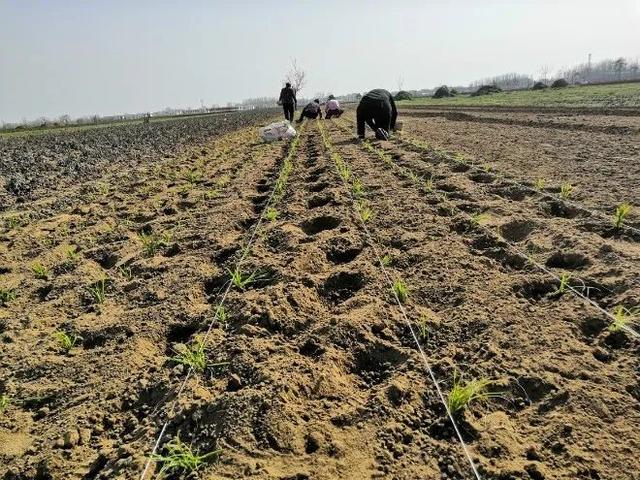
(83, 57)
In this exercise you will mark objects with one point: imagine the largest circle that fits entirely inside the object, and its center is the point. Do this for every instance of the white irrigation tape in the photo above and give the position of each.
(427, 364)
(443, 198)
(245, 252)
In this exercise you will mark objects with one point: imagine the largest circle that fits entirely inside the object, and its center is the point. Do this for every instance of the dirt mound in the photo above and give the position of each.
(486, 90)
(442, 92)
(539, 86)
(560, 83)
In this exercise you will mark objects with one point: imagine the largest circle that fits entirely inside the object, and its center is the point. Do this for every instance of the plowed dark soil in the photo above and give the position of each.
(316, 374)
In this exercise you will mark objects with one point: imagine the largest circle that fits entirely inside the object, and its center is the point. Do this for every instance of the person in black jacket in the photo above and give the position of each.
(378, 110)
(312, 110)
(288, 101)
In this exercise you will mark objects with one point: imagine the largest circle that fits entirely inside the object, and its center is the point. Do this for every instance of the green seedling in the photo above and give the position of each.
(624, 318)
(192, 176)
(414, 177)
(386, 260)
(7, 295)
(67, 340)
(356, 188)
(223, 316)
(126, 272)
(463, 394)
(193, 356)
(272, 214)
(240, 280)
(622, 211)
(71, 252)
(566, 190)
(479, 218)
(428, 185)
(539, 184)
(180, 458)
(564, 282)
(98, 291)
(423, 327)
(40, 271)
(212, 193)
(458, 157)
(11, 222)
(152, 242)
(4, 403)
(365, 213)
(400, 290)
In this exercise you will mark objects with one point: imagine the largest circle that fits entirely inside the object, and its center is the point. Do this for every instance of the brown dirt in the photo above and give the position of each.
(595, 154)
(323, 378)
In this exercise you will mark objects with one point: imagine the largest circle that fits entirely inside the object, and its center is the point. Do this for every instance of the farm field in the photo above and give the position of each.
(304, 310)
(620, 95)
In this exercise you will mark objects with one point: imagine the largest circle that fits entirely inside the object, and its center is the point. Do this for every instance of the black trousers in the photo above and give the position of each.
(288, 108)
(308, 115)
(375, 113)
(334, 113)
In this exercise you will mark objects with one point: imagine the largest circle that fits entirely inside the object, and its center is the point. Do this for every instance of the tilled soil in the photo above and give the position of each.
(316, 373)
(596, 154)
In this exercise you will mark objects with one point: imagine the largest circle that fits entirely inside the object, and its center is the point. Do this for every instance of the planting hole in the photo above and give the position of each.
(320, 224)
(517, 230)
(342, 286)
(568, 260)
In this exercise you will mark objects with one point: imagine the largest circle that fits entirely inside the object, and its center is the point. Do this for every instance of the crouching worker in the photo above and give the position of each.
(312, 110)
(378, 110)
(332, 108)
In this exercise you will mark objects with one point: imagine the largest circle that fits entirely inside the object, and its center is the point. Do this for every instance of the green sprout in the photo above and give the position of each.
(386, 260)
(7, 295)
(271, 214)
(152, 242)
(4, 403)
(193, 356)
(539, 184)
(11, 222)
(126, 272)
(193, 175)
(240, 280)
(223, 316)
(98, 291)
(462, 394)
(71, 252)
(479, 218)
(622, 211)
(180, 458)
(400, 290)
(428, 185)
(566, 190)
(624, 317)
(423, 327)
(564, 282)
(357, 188)
(40, 271)
(67, 340)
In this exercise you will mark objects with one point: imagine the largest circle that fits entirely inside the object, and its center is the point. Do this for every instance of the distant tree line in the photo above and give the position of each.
(609, 70)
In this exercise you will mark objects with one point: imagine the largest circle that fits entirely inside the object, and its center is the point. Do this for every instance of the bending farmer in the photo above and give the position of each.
(312, 110)
(332, 108)
(378, 110)
(288, 101)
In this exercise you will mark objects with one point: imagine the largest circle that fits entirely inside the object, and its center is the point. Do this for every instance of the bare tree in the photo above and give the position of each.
(64, 119)
(297, 77)
(400, 82)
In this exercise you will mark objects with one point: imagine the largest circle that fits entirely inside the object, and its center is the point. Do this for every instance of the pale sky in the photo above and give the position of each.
(83, 57)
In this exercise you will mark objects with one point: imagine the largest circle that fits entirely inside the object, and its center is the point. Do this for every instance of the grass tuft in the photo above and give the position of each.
(566, 190)
(241, 280)
(4, 403)
(400, 290)
(67, 340)
(193, 356)
(271, 214)
(564, 282)
(98, 291)
(624, 318)
(7, 295)
(462, 394)
(180, 458)
(40, 271)
(622, 211)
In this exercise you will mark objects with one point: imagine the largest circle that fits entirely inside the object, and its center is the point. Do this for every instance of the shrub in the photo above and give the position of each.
(560, 83)
(442, 92)
(403, 95)
(539, 86)
(486, 90)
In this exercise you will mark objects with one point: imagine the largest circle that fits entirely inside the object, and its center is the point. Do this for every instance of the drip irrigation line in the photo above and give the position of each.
(245, 252)
(474, 166)
(542, 268)
(425, 360)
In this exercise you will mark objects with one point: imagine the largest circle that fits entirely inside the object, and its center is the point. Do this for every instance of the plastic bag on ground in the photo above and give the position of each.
(277, 131)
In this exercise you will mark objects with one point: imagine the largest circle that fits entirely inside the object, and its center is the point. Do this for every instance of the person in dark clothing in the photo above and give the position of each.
(312, 110)
(288, 101)
(378, 110)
